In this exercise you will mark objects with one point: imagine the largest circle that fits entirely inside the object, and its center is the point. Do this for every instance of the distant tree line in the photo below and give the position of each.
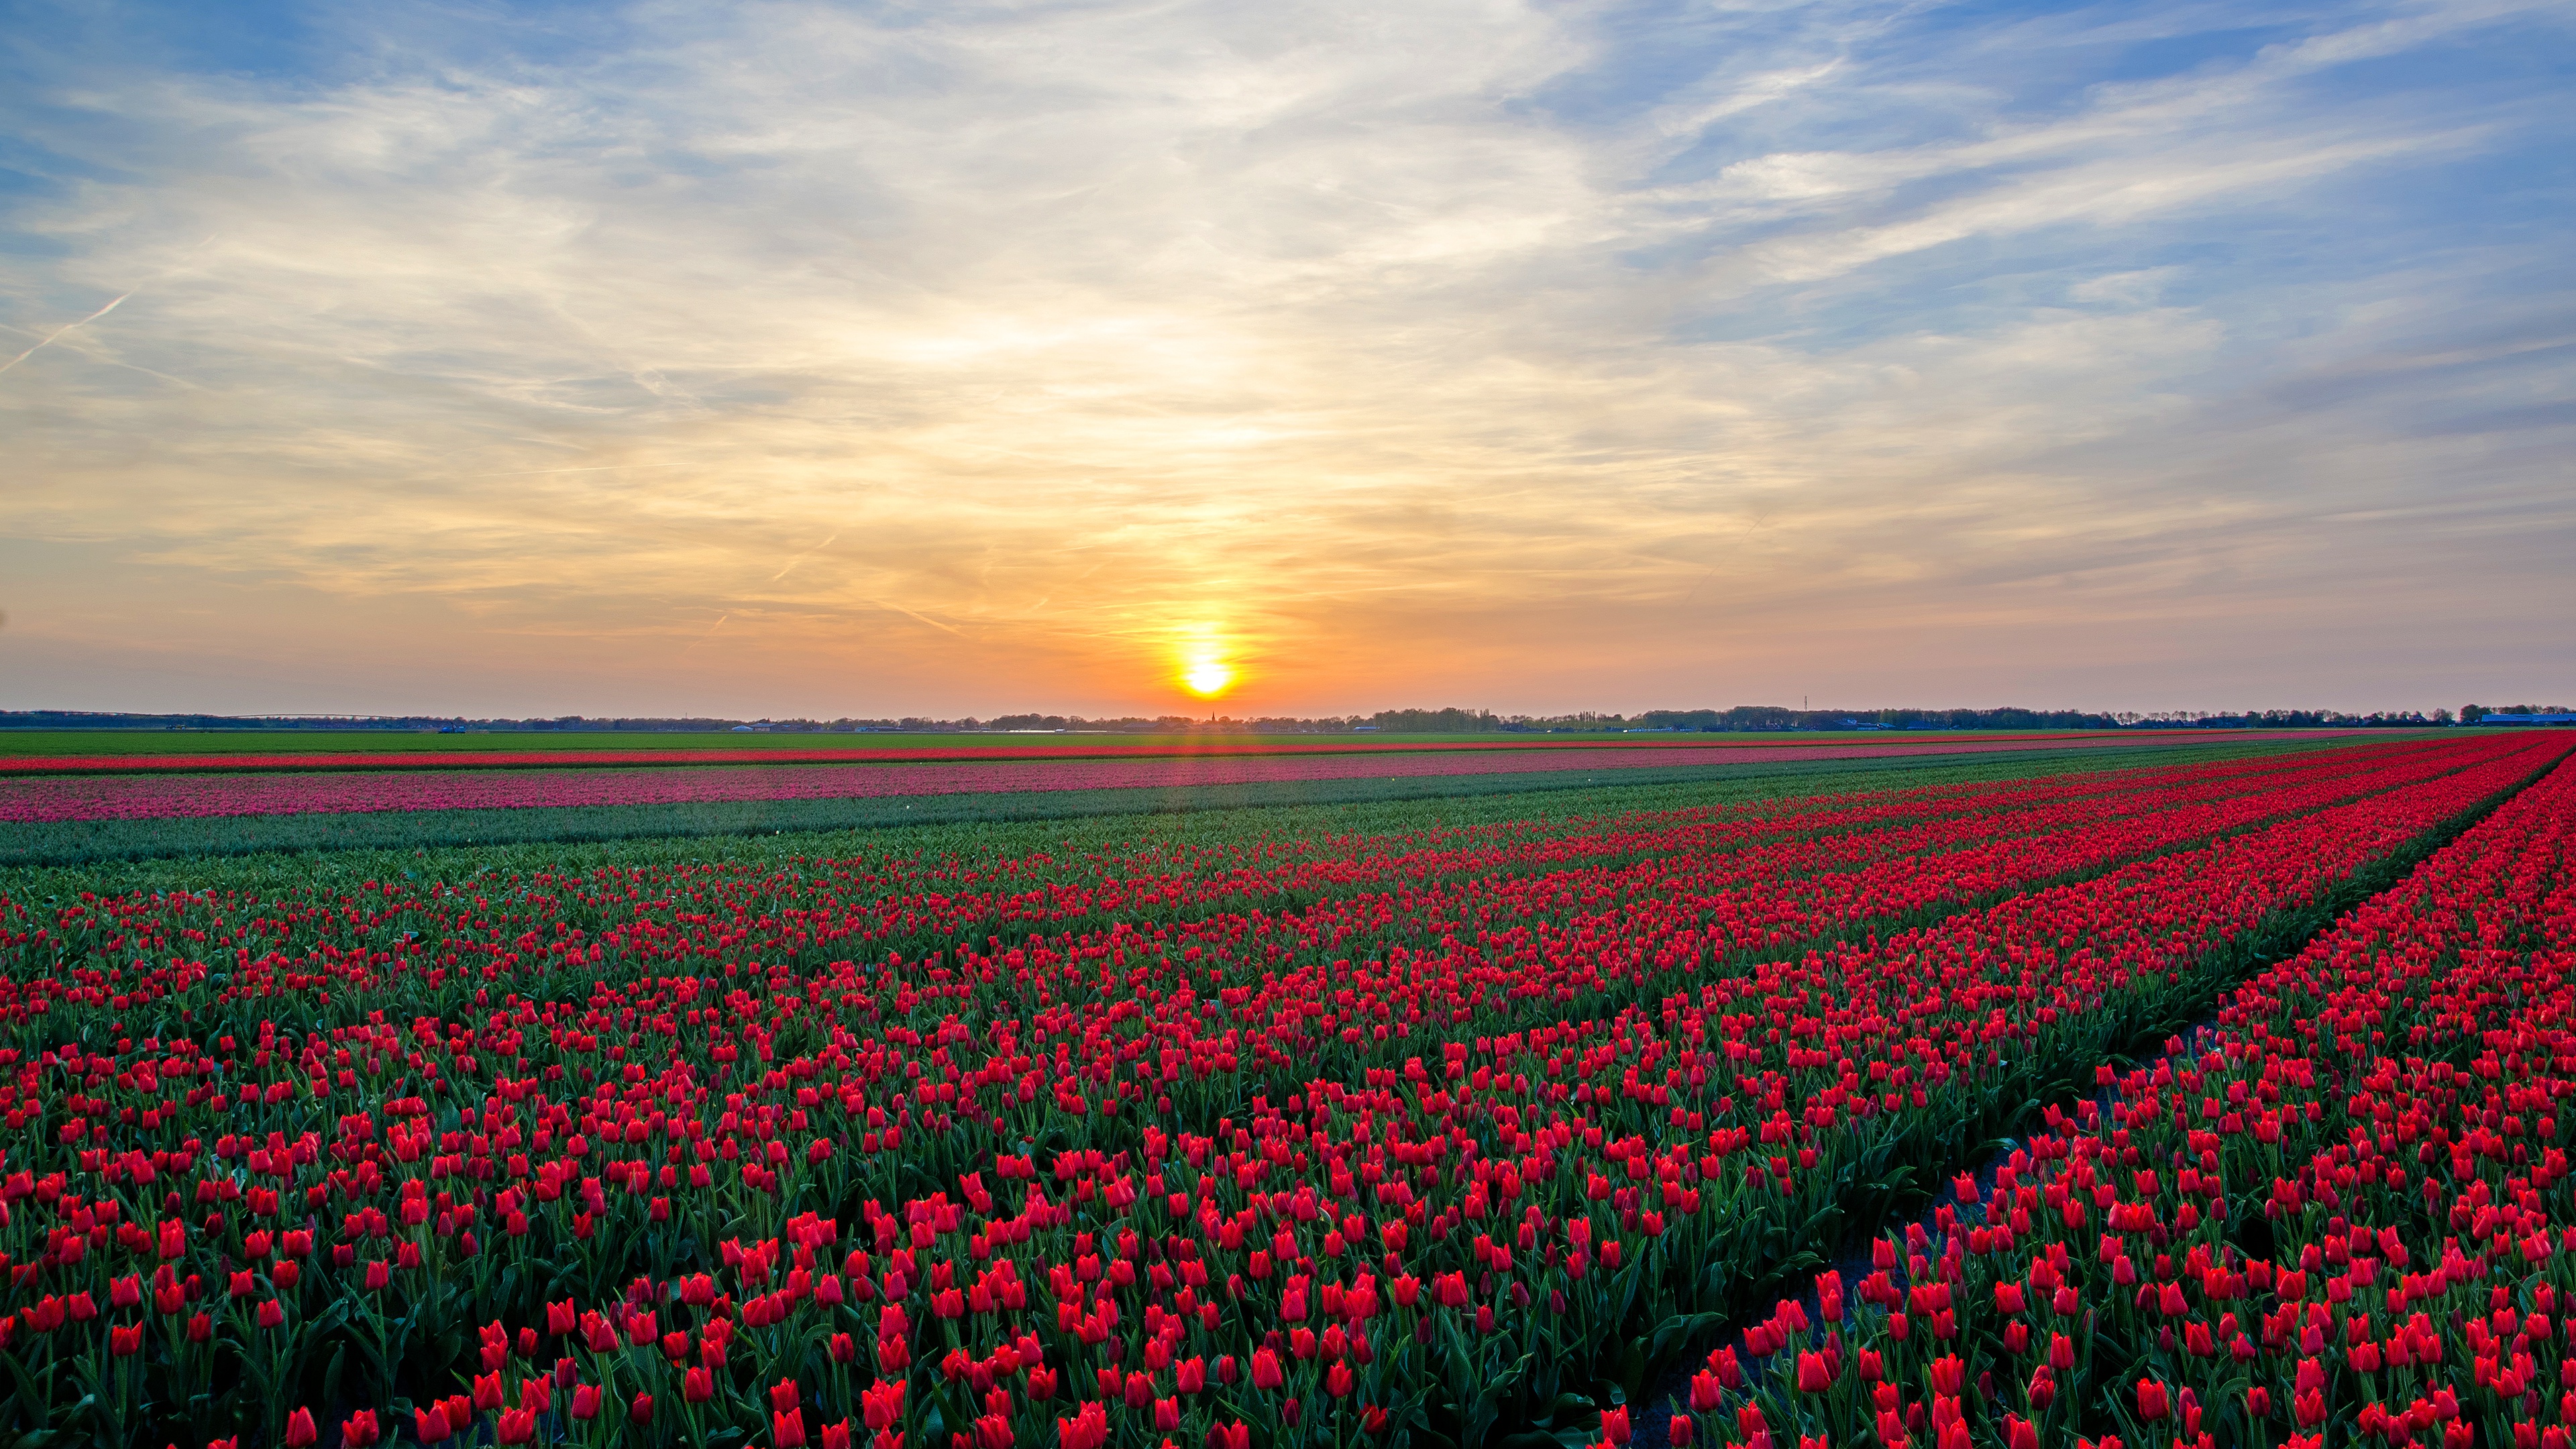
(2472, 713)
(1747, 718)
(1759, 718)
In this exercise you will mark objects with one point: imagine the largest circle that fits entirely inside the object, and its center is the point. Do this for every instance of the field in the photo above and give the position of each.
(142, 745)
(2185, 1093)
(97, 803)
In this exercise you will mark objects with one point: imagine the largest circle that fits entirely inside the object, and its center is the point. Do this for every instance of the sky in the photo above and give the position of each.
(805, 359)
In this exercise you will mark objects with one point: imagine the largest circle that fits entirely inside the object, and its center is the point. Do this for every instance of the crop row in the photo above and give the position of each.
(487, 759)
(348, 848)
(32, 799)
(622, 924)
(2342, 1215)
(1306, 1177)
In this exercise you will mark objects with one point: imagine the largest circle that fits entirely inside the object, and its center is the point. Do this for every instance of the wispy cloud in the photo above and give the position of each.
(1552, 355)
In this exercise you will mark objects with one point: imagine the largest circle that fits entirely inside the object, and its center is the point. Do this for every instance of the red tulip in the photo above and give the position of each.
(1088, 1429)
(1815, 1376)
(2152, 1401)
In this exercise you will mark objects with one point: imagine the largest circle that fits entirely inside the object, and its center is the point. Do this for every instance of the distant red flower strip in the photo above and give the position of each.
(1210, 748)
(153, 797)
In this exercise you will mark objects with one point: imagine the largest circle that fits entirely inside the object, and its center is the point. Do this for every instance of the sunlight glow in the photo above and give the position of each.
(1200, 654)
(1207, 678)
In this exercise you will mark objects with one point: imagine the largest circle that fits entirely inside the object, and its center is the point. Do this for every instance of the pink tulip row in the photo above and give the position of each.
(1096, 749)
(159, 797)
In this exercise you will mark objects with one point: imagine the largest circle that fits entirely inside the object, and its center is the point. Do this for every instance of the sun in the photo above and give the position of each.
(1203, 660)
(1207, 678)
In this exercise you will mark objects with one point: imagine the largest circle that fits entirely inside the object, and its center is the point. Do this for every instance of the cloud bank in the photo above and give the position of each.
(828, 359)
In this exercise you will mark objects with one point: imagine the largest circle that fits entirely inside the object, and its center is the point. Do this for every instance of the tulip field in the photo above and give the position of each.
(153, 793)
(60, 805)
(2205, 1102)
(2340, 1213)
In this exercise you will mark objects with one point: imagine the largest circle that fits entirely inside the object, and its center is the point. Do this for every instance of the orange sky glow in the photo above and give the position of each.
(1112, 359)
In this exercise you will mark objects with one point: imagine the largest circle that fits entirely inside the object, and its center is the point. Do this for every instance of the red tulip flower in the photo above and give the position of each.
(2153, 1402)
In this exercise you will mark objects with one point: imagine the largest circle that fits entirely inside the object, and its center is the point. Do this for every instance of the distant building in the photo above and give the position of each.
(2529, 719)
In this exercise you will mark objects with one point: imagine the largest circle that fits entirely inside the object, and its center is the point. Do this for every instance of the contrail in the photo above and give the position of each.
(800, 558)
(110, 307)
(533, 472)
(921, 618)
(66, 327)
(701, 639)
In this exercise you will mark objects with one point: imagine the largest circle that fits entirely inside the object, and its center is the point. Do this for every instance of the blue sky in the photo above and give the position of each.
(848, 359)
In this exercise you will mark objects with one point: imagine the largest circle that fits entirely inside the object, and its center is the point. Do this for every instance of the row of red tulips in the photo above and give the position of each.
(2343, 1215)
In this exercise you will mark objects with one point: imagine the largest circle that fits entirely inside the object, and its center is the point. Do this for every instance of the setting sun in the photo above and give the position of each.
(1200, 655)
(1207, 678)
